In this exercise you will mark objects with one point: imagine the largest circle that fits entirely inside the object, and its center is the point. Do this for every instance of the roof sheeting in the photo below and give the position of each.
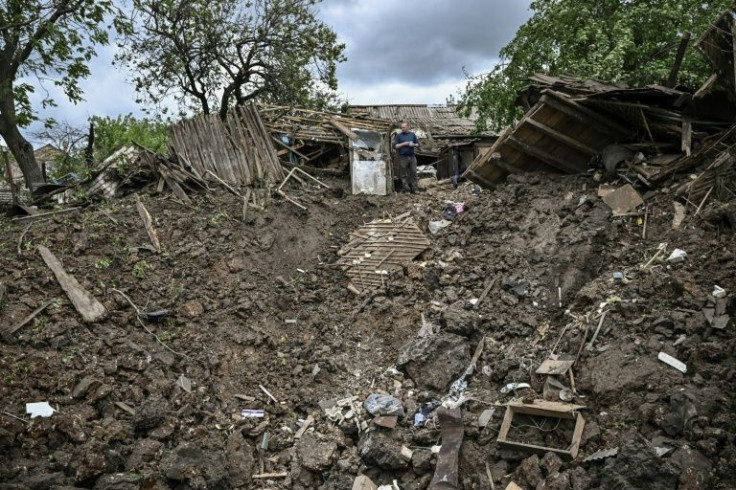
(439, 120)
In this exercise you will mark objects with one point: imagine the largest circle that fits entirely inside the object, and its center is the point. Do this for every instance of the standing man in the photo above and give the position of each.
(404, 143)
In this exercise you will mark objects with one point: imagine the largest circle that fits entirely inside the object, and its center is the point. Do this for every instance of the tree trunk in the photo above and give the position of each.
(23, 153)
(89, 153)
(17, 144)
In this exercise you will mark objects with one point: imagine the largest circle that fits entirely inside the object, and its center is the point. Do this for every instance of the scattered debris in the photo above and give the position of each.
(39, 409)
(671, 361)
(602, 454)
(485, 417)
(513, 387)
(677, 255)
(555, 367)
(85, 304)
(148, 224)
(380, 245)
(446, 473)
(377, 404)
(546, 409)
(29, 318)
(622, 200)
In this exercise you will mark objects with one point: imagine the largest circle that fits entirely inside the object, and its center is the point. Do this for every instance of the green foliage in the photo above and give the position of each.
(103, 264)
(219, 218)
(140, 268)
(631, 41)
(113, 133)
(50, 42)
(212, 54)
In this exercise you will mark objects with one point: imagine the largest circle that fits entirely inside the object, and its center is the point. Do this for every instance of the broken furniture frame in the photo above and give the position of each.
(542, 408)
(291, 175)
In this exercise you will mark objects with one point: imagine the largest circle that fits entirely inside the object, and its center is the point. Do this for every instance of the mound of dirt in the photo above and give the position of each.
(260, 318)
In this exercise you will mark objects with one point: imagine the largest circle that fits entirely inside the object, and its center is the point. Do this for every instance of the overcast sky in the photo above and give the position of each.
(412, 51)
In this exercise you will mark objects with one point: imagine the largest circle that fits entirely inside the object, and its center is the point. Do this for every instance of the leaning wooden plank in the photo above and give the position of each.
(148, 223)
(343, 129)
(174, 186)
(225, 184)
(86, 304)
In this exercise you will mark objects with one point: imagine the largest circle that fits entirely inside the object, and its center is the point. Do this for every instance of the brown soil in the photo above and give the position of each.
(231, 287)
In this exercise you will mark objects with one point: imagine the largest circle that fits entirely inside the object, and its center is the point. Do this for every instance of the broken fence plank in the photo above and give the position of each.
(148, 223)
(85, 304)
(30, 317)
(42, 216)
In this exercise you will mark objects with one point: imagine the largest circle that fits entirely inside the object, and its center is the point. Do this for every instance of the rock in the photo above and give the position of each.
(579, 479)
(87, 384)
(421, 461)
(436, 361)
(555, 481)
(529, 472)
(149, 414)
(460, 321)
(551, 463)
(241, 460)
(43, 481)
(119, 481)
(362, 482)
(638, 466)
(619, 371)
(695, 469)
(192, 308)
(236, 264)
(145, 452)
(681, 411)
(377, 449)
(316, 454)
(91, 464)
(196, 468)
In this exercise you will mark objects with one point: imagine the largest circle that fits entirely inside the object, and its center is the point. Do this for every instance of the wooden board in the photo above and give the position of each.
(86, 304)
(543, 408)
(623, 200)
(554, 367)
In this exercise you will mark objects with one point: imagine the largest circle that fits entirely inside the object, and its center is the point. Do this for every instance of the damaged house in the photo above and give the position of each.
(644, 135)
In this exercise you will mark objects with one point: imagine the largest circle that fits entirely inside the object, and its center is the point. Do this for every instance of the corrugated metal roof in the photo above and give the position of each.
(437, 120)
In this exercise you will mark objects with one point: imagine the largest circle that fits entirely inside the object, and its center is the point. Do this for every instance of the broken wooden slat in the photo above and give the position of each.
(550, 366)
(148, 223)
(42, 216)
(86, 304)
(30, 317)
(578, 145)
(343, 129)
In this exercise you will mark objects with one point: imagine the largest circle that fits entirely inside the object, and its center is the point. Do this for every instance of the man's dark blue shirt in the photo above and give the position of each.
(403, 137)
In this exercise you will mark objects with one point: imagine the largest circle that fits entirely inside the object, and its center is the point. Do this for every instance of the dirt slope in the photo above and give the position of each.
(260, 303)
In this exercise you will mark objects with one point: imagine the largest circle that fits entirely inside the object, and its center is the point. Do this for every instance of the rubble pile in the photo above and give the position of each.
(233, 355)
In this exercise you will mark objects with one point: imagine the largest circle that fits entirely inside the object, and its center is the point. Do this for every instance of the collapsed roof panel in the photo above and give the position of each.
(557, 134)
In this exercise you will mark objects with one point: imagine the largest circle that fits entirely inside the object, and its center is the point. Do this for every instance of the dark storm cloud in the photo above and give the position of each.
(421, 41)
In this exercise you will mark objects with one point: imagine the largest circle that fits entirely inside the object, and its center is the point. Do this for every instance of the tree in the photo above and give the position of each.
(49, 41)
(631, 41)
(212, 54)
(63, 135)
(113, 133)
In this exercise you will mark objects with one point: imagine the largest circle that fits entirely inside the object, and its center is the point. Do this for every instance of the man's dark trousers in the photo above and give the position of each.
(408, 173)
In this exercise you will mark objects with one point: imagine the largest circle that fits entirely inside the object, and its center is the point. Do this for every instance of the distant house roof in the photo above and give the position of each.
(439, 120)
